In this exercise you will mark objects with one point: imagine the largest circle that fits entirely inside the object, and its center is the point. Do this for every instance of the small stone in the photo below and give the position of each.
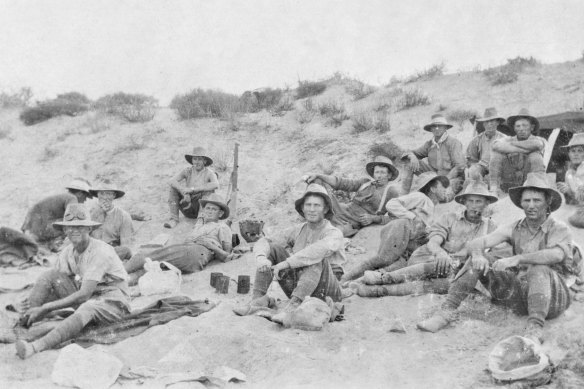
(397, 326)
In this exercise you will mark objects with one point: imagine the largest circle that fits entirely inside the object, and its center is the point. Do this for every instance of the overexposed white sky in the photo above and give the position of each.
(162, 48)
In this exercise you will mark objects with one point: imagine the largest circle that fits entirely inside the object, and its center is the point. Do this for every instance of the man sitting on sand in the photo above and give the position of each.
(200, 182)
(210, 239)
(116, 224)
(523, 152)
(411, 214)
(317, 254)
(533, 280)
(573, 187)
(38, 223)
(368, 204)
(440, 257)
(88, 276)
(478, 152)
(442, 154)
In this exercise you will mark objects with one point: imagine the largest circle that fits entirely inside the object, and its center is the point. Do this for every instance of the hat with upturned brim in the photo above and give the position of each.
(491, 114)
(76, 215)
(437, 120)
(315, 190)
(523, 114)
(476, 188)
(380, 160)
(107, 186)
(214, 198)
(428, 178)
(81, 185)
(199, 152)
(577, 140)
(536, 181)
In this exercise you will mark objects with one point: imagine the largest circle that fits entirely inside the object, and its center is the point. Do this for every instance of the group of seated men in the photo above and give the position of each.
(416, 253)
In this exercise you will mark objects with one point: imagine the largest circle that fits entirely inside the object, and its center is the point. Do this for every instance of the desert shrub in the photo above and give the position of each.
(131, 107)
(359, 90)
(131, 143)
(427, 74)
(74, 97)
(386, 148)
(509, 73)
(309, 88)
(259, 99)
(460, 115)
(286, 104)
(413, 98)
(222, 157)
(394, 81)
(17, 99)
(205, 103)
(382, 123)
(362, 122)
(97, 122)
(51, 108)
(305, 116)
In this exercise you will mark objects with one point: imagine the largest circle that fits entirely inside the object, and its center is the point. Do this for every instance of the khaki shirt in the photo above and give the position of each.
(195, 179)
(116, 228)
(309, 246)
(479, 149)
(446, 158)
(99, 262)
(215, 232)
(456, 230)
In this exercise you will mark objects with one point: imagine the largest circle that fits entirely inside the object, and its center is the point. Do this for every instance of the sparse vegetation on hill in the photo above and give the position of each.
(16, 99)
(460, 115)
(413, 98)
(200, 103)
(359, 90)
(69, 104)
(134, 108)
(309, 88)
(387, 148)
(427, 74)
(509, 73)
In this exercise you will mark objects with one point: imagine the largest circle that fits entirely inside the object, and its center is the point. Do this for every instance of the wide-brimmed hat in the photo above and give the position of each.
(318, 190)
(107, 185)
(437, 120)
(76, 215)
(536, 181)
(491, 114)
(523, 114)
(214, 198)
(476, 188)
(81, 185)
(426, 179)
(199, 152)
(577, 140)
(380, 160)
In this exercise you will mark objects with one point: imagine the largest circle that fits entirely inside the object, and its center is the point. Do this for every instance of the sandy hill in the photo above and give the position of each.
(275, 151)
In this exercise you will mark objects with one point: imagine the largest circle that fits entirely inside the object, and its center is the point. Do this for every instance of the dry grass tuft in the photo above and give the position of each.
(427, 74)
(309, 89)
(386, 148)
(461, 115)
(413, 98)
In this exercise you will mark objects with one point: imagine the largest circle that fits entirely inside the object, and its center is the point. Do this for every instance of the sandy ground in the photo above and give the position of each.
(275, 152)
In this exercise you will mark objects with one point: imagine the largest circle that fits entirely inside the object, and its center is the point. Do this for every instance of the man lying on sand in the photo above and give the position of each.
(442, 154)
(368, 204)
(88, 276)
(439, 257)
(411, 214)
(38, 223)
(116, 224)
(210, 239)
(573, 187)
(199, 182)
(316, 261)
(534, 280)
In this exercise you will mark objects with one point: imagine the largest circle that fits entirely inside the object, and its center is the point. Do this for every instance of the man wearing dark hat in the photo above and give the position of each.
(521, 154)
(116, 224)
(38, 223)
(440, 256)
(317, 254)
(442, 154)
(573, 187)
(371, 194)
(199, 182)
(210, 239)
(411, 214)
(534, 281)
(478, 152)
(88, 276)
